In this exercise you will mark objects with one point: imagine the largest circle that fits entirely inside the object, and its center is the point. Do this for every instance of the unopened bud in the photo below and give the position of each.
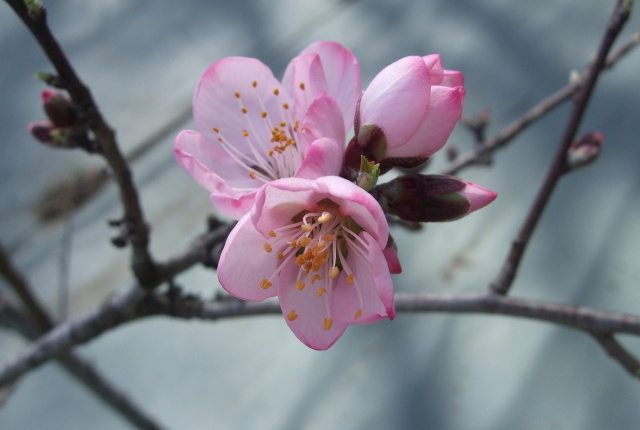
(58, 108)
(584, 150)
(35, 8)
(431, 198)
(41, 130)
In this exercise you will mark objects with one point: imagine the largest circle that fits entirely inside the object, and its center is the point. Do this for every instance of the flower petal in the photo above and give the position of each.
(478, 196)
(324, 157)
(440, 76)
(201, 159)
(341, 73)
(324, 119)
(397, 99)
(307, 312)
(244, 247)
(432, 134)
(370, 297)
(241, 99)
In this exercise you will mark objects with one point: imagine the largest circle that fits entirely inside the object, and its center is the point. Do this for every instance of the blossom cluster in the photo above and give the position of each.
(312, 224)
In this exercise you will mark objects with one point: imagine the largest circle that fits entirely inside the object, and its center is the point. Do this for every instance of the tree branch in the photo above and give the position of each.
(133, 303)
(618, 353)
(38, 322)
(545, 106)
(137, 229)
(558, 166)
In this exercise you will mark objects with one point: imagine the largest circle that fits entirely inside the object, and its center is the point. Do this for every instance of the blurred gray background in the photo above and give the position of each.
(143, 59)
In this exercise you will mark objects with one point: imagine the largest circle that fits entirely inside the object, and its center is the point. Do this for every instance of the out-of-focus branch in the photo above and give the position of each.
(558, 166)
(137, 230)
(493, 143)
(618, 353)
(36, 322)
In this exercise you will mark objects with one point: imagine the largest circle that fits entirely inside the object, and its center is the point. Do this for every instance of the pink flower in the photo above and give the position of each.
(317, 245)
(415, 103)
(252, 129)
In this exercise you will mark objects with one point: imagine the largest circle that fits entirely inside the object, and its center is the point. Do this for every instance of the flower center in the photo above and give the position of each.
(319, 244)
(269, 150)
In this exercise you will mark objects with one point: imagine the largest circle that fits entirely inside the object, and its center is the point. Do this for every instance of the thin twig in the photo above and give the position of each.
(618, 353)
(36, 321)
(545, 106)
(138, 232)
(558, 166)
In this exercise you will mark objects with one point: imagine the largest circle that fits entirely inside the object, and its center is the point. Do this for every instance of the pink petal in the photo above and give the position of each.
(200, 159)
(372, 290)
(358, 204)
(305, 311)
(324, 157)
(478, 196)
(397, 99)
(323, 119)
(244, 248)
(391, 255)
(341, 74)
(216, 103)
(440, 76)
(444, 111)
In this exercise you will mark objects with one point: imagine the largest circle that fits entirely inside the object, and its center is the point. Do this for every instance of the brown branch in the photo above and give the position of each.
(488, 146)
(133, 304)
(37, 322)
(558, 166)
(617, 352)
(138, 231)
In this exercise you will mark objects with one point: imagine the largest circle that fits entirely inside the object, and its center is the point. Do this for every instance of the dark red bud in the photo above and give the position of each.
(423, 198)
(58, 108)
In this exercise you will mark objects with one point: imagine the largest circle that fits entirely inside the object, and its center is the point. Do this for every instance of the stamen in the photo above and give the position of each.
(327, 323)
(264, 114)
(285, 105)
(280, 256)
(305, 241)
(315, 278)
(358, 314)
(306, 227)
(237, 94)
(302, 85)
(326, 216)
(252, 175)
(244, 110)
(292, 316)
(272, 233)
(216, 129)
(334, 272)
(350, 279)
(254, 84)
(267, 247)
(320, 292)
(264, 284)
(245, 133)
(300, 285)
(276, 92)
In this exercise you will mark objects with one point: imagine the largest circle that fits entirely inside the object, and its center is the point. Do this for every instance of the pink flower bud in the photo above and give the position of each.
(431, 198)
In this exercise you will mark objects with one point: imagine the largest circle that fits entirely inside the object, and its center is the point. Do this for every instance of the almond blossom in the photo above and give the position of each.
(319, 246)
(407, 112)
(252, 129)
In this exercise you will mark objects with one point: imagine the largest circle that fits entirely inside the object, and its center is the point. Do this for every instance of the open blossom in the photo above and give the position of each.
(317, 245)
(408, 111)
(252, 129)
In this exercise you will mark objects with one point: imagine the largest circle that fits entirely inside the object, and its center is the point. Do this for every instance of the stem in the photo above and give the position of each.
(138, 235)
(558, 166)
